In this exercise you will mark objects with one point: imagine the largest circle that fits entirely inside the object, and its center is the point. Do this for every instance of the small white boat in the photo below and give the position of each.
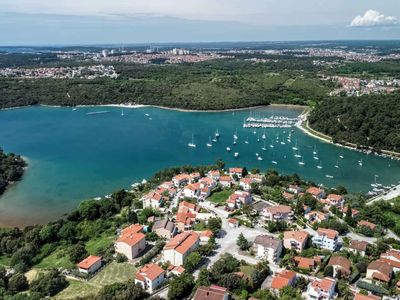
(146, 115)
(315, 150)
(214, 140)
(217, 134)
(259, 158)
(337, 165)
(235, 135)
(74, 109)
(316, 157)
(122, 112)
(271, 146)
(246, 141)
(341, 156)
(236, 155)
(256, 154)
(209, 144)
(295, 146)
(264, 136)
(228, 149)
(263, 148)
(150, 119)
(297, 155)
(301, 163)
(192, 144)
(360, 162)
(274, 162)
(328, 176)
(254, 132)
(234, 141)
(320, 165)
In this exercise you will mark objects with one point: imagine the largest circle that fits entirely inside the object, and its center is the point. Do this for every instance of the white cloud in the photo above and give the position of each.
(373, 18)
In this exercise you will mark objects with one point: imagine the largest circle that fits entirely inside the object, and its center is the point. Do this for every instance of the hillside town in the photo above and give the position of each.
(195, 221)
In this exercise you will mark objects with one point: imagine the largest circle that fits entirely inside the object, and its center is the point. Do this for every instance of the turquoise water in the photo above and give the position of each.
(74, 156)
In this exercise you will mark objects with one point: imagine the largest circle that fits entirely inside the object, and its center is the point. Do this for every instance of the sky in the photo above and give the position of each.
(73, 22)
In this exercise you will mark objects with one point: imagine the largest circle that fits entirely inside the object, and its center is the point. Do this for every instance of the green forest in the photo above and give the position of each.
(11, 169)
(204, 86)
(371, 121)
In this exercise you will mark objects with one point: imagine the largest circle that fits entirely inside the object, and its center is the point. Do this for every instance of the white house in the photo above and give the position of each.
(326, 239)
(179, 247)
(90, 264)
(321, 289)
(267, 247)
(236, 172)
(150, 277)
(191, 190)
(131, 241)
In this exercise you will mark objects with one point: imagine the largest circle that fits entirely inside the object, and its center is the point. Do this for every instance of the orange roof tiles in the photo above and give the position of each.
(330, 233)
(149, 271)
(298, 235)
(89, 261)
(235, 170)
(325, 284)
(382, 268)
(132, 239)
(134, 228)
(315, 191)
(342, 262)
(283, 279)
(367, 223)
(182, 242)
(304, 262)
(366, 297)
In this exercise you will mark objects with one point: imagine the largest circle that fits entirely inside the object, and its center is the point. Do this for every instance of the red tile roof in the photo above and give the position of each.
(89, 261)
(371, 225)
(330, 233)
(132, 239)
(304, 262)
(182, 242)
(382, 268)
(341, 262)
(149, 271)
(314, 191)
(210, 293)
(283, 279)
(299, 235)
(325, 284)
(365, 297)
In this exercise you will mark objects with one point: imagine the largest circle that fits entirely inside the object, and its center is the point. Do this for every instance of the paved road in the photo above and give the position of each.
(393, 193)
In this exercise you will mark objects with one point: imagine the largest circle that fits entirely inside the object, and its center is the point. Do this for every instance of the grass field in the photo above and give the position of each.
(248, 270)
(57, 259)
(97, 245)
(220, 197)
(112, 273)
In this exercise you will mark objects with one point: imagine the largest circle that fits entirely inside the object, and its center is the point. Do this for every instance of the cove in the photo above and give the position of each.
(74, 156)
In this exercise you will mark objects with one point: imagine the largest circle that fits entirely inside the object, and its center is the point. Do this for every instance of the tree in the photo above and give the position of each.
(89, 209)
(77, 253)
(229, 281)
(18, 283)
(242, 242)
(214, 224)
(49, 284)
(131, 216)
(192, 261)
(122, 291)
(301, 283)
(328, 272)
(181, 287)
(204, 278)
(68, 232)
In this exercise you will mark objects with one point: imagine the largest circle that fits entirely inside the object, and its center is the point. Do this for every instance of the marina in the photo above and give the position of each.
(114, 151)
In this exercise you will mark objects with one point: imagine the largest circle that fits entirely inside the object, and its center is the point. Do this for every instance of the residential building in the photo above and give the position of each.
(191, 190)
(307, 263)
(326, 239)
(392, 257)
(233, 223)
(225, 181)
(340, 264)
(245, 183)
(295, 240)
(185, 220)
(214, 175)
(90, 264)
(236, 172)
(175, 270)
(278, 213)
(294, 189)
(213, 292)
(131, 241)
(282, 279)
(194, 177)
(238, 199)
(207, 182)
(321, 289)
(288, 196)
(317, 193)
(358, 296)
(153, 200)
(368, 224)
(164, 229)
(333, 200)
(358, 247)
(354, 212)
(179, 247)
(316, 216)
(181, 180)
(150, 277)
(379, 270)
(205, 236)
(267, 247)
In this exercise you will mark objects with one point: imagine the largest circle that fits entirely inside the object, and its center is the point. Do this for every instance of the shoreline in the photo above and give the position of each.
(305, 127)
(134, 106)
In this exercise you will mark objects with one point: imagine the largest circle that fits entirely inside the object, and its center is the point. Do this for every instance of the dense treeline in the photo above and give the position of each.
(11, 169)
(210, 85)
(371, 121)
